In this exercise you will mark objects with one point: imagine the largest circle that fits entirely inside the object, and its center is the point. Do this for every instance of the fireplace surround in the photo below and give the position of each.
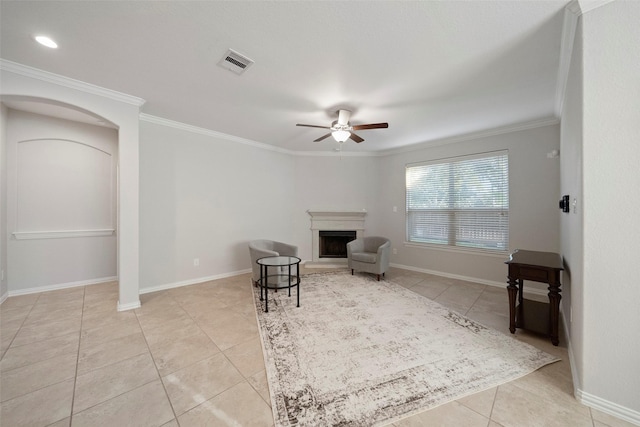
(339, 222)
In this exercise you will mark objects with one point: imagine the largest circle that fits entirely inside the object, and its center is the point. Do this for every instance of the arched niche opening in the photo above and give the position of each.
(51, 100)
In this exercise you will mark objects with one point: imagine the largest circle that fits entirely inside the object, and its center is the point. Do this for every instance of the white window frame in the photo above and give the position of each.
(492, 238)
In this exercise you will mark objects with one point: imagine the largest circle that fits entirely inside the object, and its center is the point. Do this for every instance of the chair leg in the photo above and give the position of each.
(352, 271)
(378, 277)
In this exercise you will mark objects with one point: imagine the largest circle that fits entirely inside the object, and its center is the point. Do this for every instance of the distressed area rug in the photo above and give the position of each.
(360, 352)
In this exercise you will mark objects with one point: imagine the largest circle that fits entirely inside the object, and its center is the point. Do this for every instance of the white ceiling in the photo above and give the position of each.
(431, 69)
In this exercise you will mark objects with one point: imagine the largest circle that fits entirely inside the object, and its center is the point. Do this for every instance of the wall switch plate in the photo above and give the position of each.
(395, 209)
(395, 251)
(196, 262)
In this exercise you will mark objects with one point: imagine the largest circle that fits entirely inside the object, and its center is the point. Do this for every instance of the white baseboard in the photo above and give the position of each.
(129, 306)
(192, 281)
(607, 407)
(530, 291)
(572, 362)
(47, 288)
(4, 297)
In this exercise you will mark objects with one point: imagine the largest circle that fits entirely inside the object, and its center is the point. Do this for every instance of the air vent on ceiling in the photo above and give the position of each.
(235, 62)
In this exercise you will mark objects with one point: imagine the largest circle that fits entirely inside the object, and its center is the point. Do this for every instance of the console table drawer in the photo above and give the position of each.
(534, 274)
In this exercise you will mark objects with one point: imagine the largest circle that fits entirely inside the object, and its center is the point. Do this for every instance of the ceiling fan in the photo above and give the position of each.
(341, 129)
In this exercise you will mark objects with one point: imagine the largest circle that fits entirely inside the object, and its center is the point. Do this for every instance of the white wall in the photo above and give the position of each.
(533, 204)
(571, 224)
(333, 182)
(611, 154)
(205, 197)
(3, 201)
(61, 177)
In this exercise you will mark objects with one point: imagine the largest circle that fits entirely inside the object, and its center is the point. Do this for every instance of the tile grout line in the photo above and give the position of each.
(475, 301)
(219, 349)
(44, 360)
(264, 362)
(49, 385)
(493, 404)
(75, 377)
(155, 365)
(198, 361)
(432, 299)
(20, 327)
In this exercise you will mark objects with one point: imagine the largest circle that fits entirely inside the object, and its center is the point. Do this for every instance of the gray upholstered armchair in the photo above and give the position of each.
(262, 248)
(369, 254)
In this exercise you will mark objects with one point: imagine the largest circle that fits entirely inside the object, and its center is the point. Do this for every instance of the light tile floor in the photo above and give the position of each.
(192, 356)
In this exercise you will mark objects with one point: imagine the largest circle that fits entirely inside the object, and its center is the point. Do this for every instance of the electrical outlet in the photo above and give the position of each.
(395, 251)
(196, 262)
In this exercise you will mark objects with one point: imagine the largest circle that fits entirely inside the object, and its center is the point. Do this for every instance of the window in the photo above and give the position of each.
(460, 202)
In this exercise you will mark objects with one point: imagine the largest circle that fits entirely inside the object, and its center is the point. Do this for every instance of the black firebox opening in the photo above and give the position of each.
(333, 244)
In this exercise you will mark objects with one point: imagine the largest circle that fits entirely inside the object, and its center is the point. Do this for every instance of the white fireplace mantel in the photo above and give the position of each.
(327, 220)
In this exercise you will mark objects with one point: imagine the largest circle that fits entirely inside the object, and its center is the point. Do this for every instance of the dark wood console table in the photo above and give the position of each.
(539, 317)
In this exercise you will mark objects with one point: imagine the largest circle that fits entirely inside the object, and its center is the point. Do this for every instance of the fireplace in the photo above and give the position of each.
(342, 226)
(333, 243)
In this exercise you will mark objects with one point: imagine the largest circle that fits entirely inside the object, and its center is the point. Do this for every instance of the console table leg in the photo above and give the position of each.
(512, 288)
(554, 310)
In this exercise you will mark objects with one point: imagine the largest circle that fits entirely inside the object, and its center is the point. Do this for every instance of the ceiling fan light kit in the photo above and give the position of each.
(341, 135)
(341, 129)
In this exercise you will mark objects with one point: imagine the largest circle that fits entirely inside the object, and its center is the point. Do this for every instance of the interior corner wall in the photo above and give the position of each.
(611, 131)
(533, 203)
(204, 198)
(333, 183)
(4, 290)
(571, 224)
(41, 198)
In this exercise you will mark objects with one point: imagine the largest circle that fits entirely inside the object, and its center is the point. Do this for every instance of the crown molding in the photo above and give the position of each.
(571, 15)
(215, 134)
(24, 70)
(335, 154)
(473, 135)
(572, 12)
(460, 138)
(580, 7)
(208, 132)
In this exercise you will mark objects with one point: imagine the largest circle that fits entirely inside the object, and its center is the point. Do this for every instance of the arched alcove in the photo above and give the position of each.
(113, 109)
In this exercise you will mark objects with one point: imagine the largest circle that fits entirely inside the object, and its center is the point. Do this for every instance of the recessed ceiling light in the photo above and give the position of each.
(46, 41)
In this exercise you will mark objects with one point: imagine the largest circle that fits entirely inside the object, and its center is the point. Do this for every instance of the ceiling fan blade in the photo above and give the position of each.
(371, 126)
(322, 137)
(356, 138)
(314, 126)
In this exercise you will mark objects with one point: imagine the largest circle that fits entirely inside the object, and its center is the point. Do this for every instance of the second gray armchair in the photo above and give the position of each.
(369, 254)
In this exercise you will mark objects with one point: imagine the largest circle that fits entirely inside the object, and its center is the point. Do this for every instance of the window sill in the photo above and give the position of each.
(458, 249)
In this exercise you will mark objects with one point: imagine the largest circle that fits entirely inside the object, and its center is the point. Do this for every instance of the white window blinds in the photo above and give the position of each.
(462, 201)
